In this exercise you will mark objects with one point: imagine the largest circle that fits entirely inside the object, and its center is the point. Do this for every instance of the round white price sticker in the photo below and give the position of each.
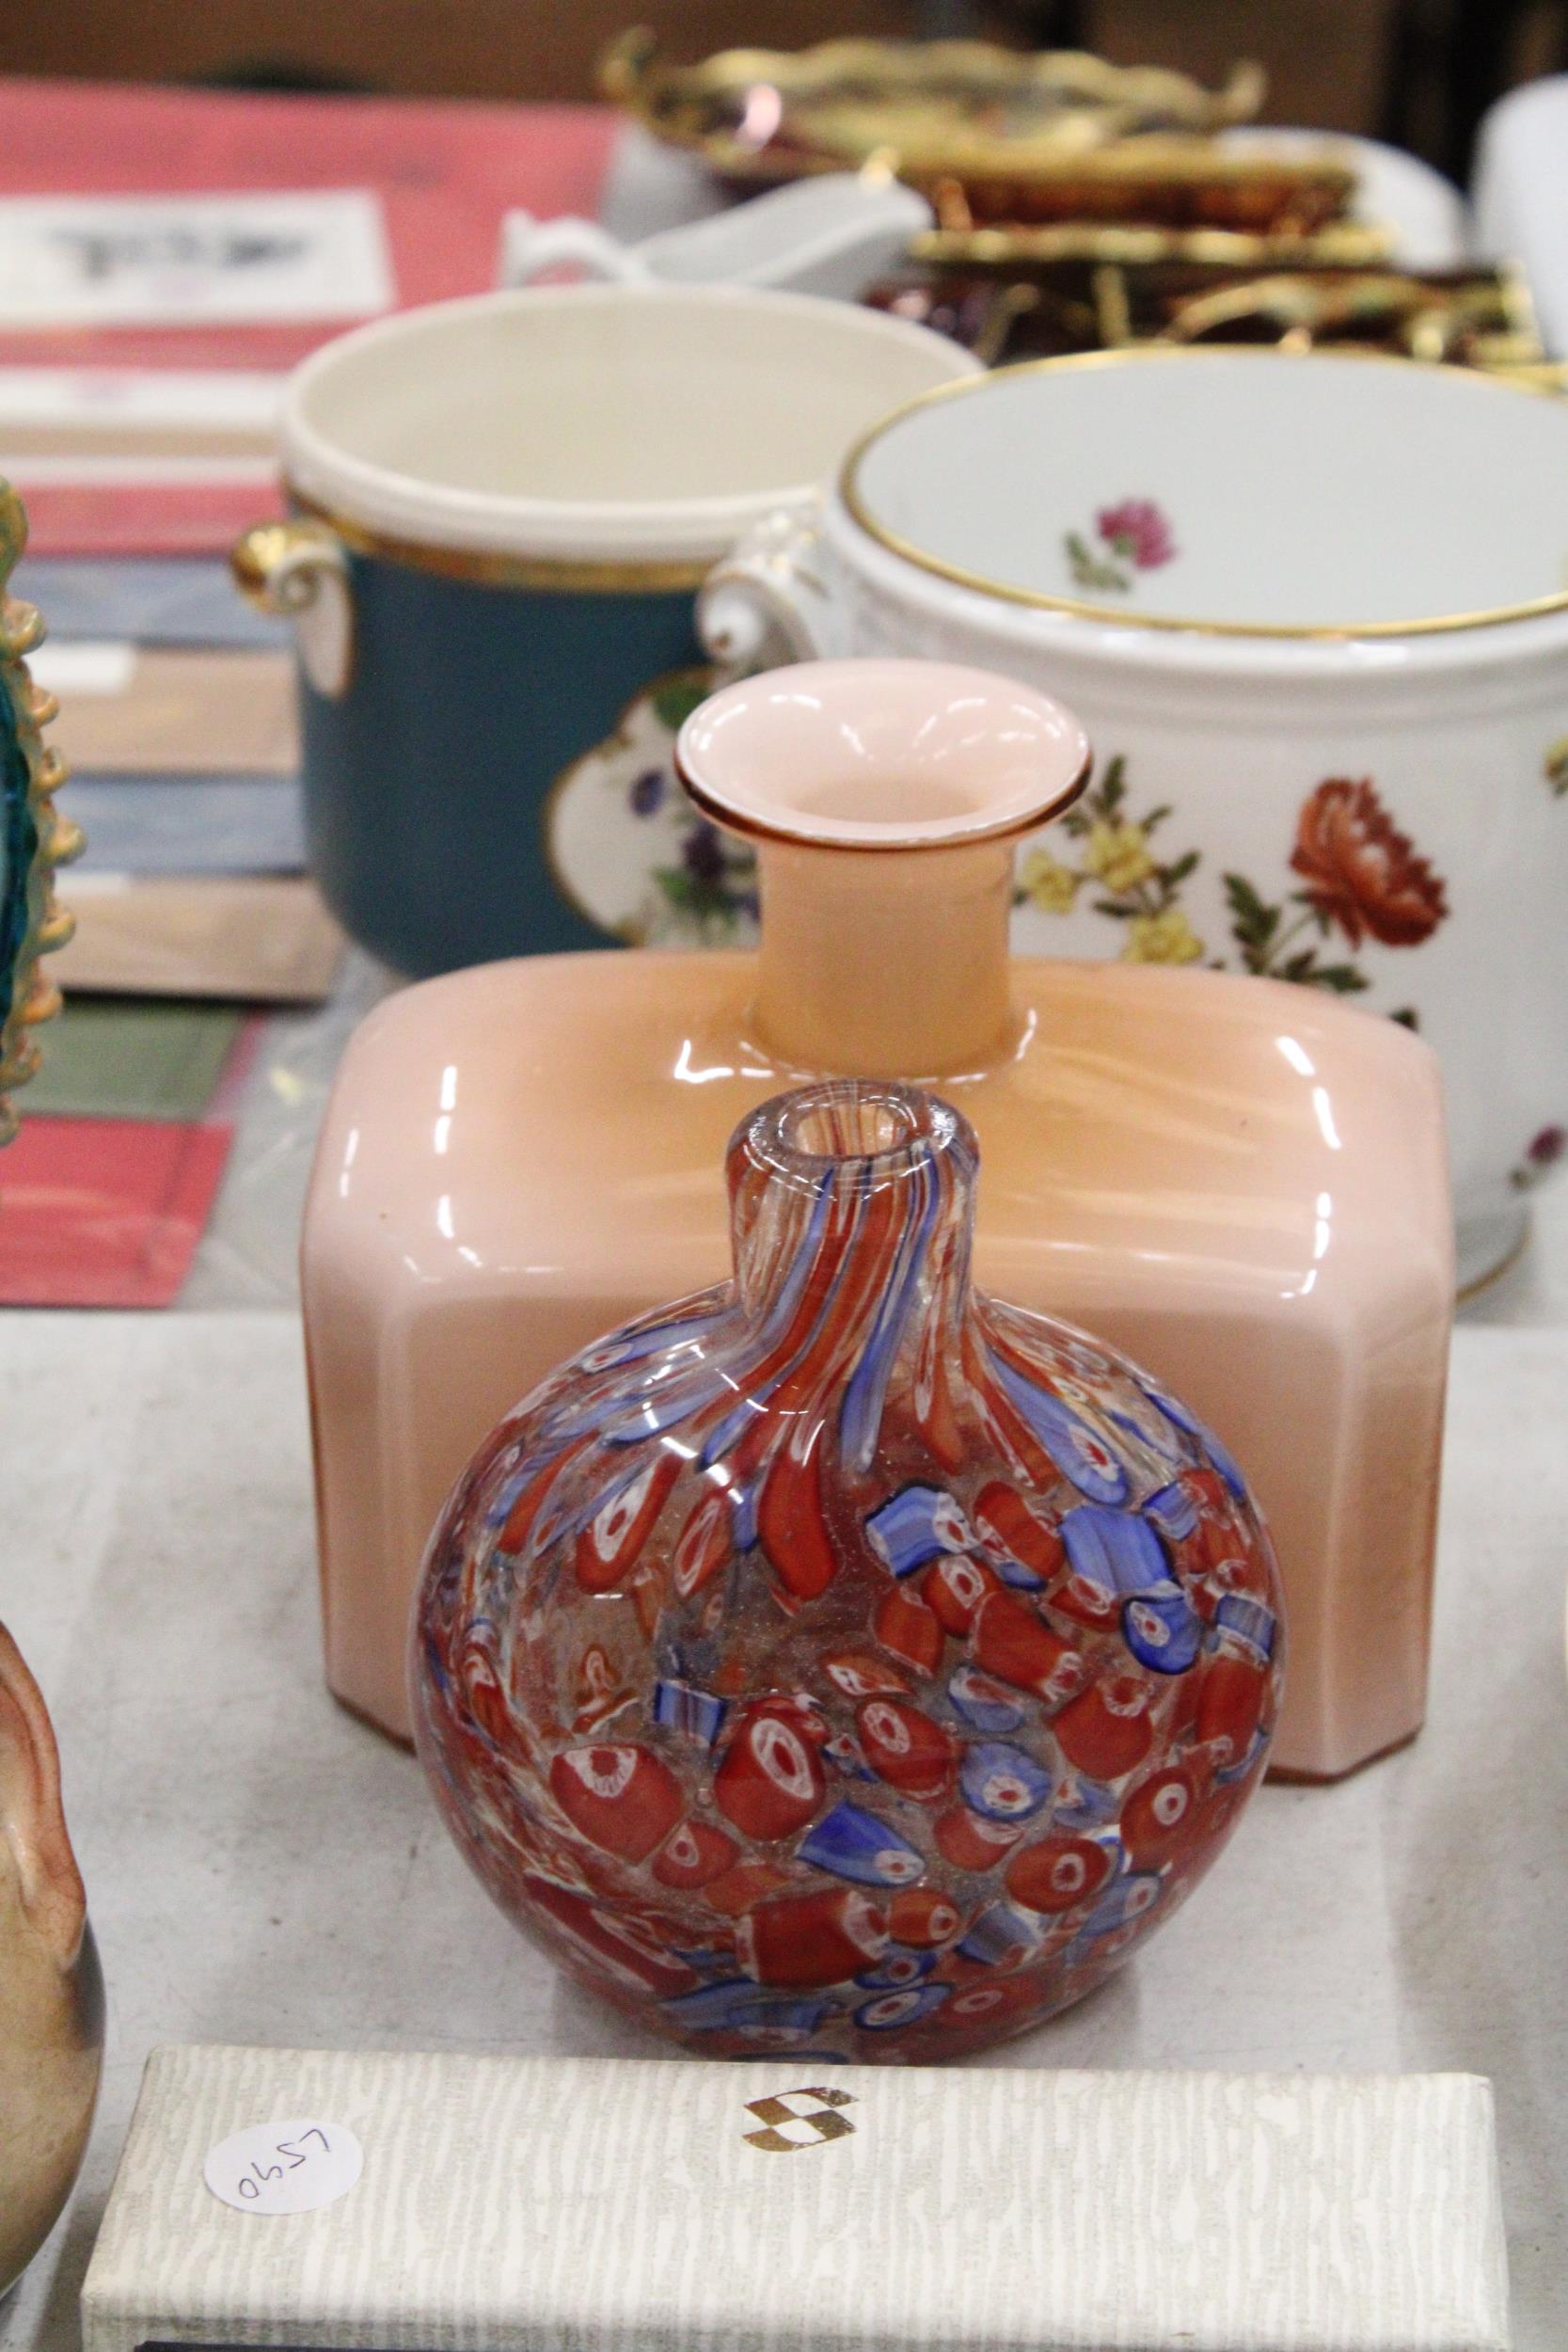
(284, 2167)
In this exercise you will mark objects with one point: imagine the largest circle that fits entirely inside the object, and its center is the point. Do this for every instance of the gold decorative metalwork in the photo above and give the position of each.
(1475, 318)
(1041, 293)
(272, 564)
(996, 133)
(1019, 253)
(1038, 600)
(37, 838)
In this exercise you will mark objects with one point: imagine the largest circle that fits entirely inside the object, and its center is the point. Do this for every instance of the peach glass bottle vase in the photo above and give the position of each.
(840, 1657)
(1240, 1183)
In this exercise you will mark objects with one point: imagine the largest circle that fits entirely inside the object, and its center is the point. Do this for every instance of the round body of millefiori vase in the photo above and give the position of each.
(840, 1660)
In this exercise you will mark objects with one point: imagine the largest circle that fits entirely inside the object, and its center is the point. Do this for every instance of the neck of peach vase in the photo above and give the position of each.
(885, 964)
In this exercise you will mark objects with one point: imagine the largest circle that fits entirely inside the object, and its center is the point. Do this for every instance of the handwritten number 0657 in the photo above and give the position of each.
(297, 2155)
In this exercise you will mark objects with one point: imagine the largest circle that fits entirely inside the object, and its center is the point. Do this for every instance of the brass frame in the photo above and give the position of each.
(1342, 244)
(1097, 142)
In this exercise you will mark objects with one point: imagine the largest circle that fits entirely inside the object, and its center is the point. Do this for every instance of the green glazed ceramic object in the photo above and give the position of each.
(33, 838)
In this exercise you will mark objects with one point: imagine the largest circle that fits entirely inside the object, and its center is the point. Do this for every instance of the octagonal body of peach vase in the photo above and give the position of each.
(1242, 1184)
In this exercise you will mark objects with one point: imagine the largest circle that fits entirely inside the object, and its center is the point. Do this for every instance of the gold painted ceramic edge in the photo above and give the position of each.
(629, 934)
(483, 568)
(1489, 1278)
(749, 828)
(257, 554)
(49, 925)
(1172, 623)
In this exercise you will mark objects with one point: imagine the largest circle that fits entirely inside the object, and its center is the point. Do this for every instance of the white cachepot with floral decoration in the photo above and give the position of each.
(1313, 611)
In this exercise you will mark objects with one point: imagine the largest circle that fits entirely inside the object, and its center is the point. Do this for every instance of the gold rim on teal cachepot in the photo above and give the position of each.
(501, 509)
(33, 839)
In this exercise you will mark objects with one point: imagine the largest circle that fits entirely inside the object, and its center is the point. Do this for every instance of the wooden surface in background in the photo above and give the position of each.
(423, 47)
(1324, 59)
(1323, 56)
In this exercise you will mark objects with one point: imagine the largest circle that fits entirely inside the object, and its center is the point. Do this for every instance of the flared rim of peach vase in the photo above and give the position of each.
(881, 756)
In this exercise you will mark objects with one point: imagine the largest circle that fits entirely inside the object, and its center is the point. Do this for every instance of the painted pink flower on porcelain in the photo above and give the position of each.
(1138, 531)
(1132, 536)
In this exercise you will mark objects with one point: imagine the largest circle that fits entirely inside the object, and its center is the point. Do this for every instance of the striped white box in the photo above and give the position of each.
(607, 2206)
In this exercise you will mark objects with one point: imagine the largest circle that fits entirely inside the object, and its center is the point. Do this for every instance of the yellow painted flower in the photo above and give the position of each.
(1048, 884)
(1168, 938)
(1117, 855)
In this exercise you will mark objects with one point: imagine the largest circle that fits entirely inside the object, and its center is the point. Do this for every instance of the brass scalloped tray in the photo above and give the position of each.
(1023, 253)
(1084, 293)
(1050, 135)
(33, 838)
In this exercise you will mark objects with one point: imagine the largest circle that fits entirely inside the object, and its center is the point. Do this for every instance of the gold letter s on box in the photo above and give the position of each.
(791, 2124)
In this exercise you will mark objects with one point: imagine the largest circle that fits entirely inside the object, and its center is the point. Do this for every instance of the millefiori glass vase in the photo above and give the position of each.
(841, 1660)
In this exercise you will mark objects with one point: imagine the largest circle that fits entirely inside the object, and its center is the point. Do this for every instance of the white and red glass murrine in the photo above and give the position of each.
(840, 1660)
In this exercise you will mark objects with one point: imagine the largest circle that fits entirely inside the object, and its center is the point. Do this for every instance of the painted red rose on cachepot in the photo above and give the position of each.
(1361, 872)
(841, 1660)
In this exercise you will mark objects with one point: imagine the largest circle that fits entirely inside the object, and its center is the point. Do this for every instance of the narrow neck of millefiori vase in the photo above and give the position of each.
(852, 1211)
(885, 963)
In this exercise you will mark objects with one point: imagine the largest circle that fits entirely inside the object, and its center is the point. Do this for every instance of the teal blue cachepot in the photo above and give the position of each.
(502, 508)
(430, 839)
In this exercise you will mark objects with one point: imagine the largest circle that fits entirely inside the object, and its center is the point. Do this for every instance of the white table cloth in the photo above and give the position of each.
(264, 1868)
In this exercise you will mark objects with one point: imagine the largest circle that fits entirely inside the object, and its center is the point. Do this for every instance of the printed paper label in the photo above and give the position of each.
(284, 2167)
(240, 401)
(191, 260)
(84, 665)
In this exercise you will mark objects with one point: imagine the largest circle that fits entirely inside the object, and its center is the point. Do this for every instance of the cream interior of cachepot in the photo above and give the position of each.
(648, 419)
(1241, 488)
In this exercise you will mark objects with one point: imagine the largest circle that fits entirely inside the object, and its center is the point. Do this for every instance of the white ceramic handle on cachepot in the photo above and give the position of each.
(769, 600)
(298, 571)
(530, 248)
(50, 1991)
